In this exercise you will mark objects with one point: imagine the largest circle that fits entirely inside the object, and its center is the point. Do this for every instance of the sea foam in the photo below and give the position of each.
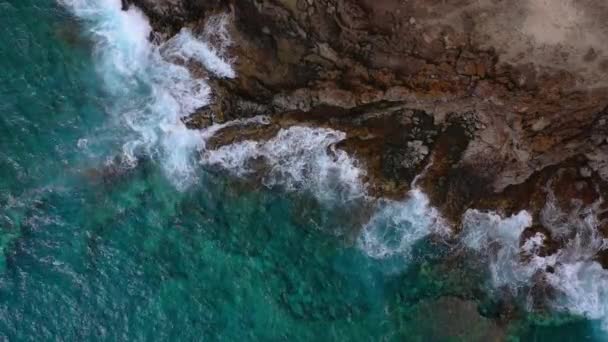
(151, 91)
(397, 225)
(298, 158)
(306, 159)
(579, 282)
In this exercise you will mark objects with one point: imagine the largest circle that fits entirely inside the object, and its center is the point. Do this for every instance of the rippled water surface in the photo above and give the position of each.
(115, 223)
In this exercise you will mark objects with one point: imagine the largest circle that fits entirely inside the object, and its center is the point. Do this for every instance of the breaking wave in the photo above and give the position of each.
(562, 257)
(398, 225)
(306, 159)
(151, 87)
(298, 158)
(498, 239)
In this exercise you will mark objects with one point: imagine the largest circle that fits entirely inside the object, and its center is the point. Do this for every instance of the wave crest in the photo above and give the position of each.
(151, 86)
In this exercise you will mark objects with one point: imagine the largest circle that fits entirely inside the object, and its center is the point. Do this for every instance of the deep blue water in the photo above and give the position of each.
(96, 248)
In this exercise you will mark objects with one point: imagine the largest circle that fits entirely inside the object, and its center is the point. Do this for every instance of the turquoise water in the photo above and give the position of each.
(98, 247)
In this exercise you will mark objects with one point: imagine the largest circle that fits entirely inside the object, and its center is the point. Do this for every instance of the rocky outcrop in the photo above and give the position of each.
(499, 95)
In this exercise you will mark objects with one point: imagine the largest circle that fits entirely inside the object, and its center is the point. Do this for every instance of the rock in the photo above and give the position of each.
(200, 119)
(585, 172)
(418, 149)
(404, 162)
(598, 161)
(507, 94)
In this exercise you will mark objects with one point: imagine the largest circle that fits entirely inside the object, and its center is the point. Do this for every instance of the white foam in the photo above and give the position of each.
(298, 158)
(121, 36)
(581, 284)
(306, 159)
(498, 238)
(150, 92)
(210, 131)
(578, 227)
(397, 226)
(185, 47)
(533, 245)
(82, 143)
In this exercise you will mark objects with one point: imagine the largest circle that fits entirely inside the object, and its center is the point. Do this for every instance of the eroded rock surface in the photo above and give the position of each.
(499, 95)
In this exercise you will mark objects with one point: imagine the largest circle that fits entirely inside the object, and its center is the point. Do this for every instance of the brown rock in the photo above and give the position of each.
(514, 91)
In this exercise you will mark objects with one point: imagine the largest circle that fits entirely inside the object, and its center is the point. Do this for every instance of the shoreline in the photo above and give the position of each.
(487, 136)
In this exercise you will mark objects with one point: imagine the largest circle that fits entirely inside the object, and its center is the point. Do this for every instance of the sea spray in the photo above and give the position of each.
(579, 283)
(152, 89)
(185, 46)
(498, 239)
(397, 225)
(305, 159)
(297, 159)
(152, 93)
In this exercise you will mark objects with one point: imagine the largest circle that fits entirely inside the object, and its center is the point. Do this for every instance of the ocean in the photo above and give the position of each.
(117, 223)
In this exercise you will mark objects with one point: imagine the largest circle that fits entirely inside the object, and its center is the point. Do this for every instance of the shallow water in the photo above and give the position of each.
(113, 228)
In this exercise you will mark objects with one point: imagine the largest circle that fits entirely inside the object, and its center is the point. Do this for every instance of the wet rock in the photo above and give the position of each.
(598, 161)
(200, 119)
(585, 172)
(498, 96)
(404, 162)
(241, 132)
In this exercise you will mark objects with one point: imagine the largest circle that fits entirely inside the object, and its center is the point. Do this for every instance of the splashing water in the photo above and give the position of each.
(155, 90)
(580, 282)
(298, 158)
(397, 226)
(153, 93)
(100, 260)
(483, 230)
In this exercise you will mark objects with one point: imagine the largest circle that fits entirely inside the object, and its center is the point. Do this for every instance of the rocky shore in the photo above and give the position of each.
(501, 104)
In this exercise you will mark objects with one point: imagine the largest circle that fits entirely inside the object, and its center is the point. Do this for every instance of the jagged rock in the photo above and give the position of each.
(202, 118)
(513, 89)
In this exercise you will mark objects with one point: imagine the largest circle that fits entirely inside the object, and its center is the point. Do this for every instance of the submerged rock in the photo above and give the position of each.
(455, 318)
